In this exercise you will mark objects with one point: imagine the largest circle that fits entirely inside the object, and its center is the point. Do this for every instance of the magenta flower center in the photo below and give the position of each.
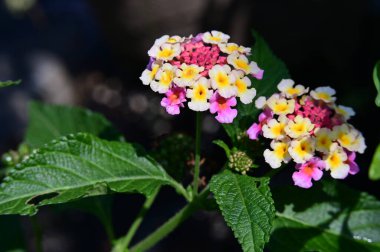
(222, 103)
(201, 54)
(318, 112)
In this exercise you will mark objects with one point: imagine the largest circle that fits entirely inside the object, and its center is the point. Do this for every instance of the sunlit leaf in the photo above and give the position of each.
(79, 166)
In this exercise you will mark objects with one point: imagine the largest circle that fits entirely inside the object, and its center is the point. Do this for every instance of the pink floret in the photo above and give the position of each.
(319, 113)
(354, 168)
(222, 106)
(308, 171)
(259, 75)
(174, 100)
(255, 130)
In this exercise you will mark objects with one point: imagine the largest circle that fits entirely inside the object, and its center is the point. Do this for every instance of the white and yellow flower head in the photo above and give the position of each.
(344, 111)
(165, 51)
(244, 50)
(302, 150)
(280, 105)
(231, 48)
(223, 80)
(325, 94)
(241, 62)
(349, 138)
(166, 39)
(215, 37)
(187, 74)
(199, 95)
(286, 86)
(242, 84)
(275, 129)
(261, 102)
(163, 79)
(336, 162)
(278, 154)
(175, 39)
(195, 69)
(359, 143)
(160, 41)
(299, 127)
(148, 76)
(324, 138)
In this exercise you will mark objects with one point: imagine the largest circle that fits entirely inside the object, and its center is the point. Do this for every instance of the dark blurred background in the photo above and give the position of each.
(91, 52)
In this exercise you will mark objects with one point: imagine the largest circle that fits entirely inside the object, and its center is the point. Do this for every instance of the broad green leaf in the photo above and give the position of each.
(328, 217)
(9, 83)
(11, 236)
(374, 169)
(78, 166)
(274, 71)
(247, 206)
(48, 122)
(376, 79)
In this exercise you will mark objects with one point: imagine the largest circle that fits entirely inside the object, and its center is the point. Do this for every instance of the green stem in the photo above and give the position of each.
(181, 190)
(171, 224)
(123, 243)
(37, 233)
(197, 153)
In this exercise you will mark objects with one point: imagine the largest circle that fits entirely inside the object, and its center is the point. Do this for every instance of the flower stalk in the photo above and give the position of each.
(172, 223)
(198, 129)
(122, 244)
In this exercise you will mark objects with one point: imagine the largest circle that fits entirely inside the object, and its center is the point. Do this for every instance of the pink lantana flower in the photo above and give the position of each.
(174, 100)
(318, 135)
(308, 171)
(354, 167)
(256, 129)
(222, 106)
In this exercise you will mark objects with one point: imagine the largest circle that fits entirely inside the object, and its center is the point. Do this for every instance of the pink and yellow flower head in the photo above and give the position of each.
(206, 70)
(310, 130)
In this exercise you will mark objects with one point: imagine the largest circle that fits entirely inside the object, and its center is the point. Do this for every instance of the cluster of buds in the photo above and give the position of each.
(309, 129)
(240, 162)
(205, 70)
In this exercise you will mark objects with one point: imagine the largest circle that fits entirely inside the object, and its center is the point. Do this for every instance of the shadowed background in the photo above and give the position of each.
(91, 53)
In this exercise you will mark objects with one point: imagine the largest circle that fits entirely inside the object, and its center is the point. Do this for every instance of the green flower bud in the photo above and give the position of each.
(240, 162)
(10, 158)
(24, 150)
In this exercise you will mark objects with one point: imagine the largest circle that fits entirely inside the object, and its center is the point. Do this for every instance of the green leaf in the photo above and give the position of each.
(274, 71)
(48, 122)
(328, 217)
(376, 79)
(78, 166)
(9, 83)
(374, 169)
(224, 146)
(247, 206)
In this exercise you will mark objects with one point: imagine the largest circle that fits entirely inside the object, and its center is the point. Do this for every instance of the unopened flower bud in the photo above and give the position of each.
(240, 162)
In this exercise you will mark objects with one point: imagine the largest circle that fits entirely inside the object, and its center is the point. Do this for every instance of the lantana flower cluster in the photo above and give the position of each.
(206, 71)
(311, 130)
